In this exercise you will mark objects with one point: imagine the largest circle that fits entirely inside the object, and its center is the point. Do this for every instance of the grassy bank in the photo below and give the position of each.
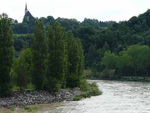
(21, 109)
(88, 90)
(29, 109)
(132, 78)
(110, 75)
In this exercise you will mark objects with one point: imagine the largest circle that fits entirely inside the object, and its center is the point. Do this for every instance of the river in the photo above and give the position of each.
(117, 97)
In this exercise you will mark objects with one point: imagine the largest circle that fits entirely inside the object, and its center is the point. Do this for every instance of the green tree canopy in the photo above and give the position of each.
(23, 68)
(6, 56)
(57, 58)
(39, 49)
(109, 60)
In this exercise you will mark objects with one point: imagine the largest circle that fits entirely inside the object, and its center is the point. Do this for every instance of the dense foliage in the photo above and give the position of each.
(21, 41)
(6, 56)
(44, 60)
(39, 50)
(131, 62)
(75, 61)
(22, 69)
(57, 57)
(54, 61)
(118, 38)
(111, 49)
(98, 37)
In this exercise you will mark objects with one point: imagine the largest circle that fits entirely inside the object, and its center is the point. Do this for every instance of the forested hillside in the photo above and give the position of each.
(83, 30)
(48, 59)
(96, 36)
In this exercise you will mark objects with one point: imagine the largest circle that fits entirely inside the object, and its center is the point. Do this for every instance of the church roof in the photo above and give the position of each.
(28, 14)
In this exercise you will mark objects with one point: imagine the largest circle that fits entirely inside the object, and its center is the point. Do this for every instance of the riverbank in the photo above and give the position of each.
(25, 98)
(33, 101)
(39, 108)
(117, 97)
(111, 76)
(132, 78)
(126, 78)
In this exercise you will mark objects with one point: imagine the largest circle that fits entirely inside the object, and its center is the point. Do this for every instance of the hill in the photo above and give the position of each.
(96, 36)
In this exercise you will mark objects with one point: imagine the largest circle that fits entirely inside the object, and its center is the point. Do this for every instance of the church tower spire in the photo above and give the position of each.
(26, 9)
(27, 15)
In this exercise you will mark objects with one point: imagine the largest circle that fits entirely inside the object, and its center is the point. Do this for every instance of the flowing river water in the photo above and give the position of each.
(117, 97)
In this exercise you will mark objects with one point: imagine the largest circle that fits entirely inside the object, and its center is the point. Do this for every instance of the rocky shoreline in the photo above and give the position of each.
(38, 97)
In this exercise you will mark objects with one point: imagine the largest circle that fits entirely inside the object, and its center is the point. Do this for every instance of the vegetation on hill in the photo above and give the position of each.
(49, 59)
(97, 37)
(131, 62)
(117, 40)
(111, 49)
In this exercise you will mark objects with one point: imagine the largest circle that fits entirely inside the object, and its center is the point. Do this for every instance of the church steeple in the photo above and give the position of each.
(27, 15)
(26, 9)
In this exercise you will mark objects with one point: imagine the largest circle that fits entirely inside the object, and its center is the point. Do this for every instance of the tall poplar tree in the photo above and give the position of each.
(81, 59)
(75, 61)
(6, 55)
(39, 49)
(57, 59)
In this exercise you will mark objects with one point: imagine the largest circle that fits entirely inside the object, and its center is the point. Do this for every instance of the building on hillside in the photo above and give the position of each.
(27, 15)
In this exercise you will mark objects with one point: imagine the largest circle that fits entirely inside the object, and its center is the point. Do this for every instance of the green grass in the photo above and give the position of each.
(12, 108)
(29, 108)
(77, 98)
(30, 86)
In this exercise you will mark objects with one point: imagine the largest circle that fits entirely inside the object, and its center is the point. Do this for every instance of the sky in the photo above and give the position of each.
(102, 10)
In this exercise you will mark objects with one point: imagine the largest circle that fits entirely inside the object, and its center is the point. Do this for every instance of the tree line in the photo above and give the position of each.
(117, 38)
(97, 37)
(83, 30)
(131, 62)
(55, 59)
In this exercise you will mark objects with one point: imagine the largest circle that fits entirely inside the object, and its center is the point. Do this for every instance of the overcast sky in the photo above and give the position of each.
(103, 10)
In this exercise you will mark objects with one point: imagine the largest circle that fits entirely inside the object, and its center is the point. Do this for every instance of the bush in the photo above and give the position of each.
(86, 94)
(89, 89)
(94, 89)
(84, 85)
(77, 98)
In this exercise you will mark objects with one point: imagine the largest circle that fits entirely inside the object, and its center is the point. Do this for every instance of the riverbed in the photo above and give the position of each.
(117, 97)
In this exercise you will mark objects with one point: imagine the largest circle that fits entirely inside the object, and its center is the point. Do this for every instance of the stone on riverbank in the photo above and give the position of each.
(39, 97)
